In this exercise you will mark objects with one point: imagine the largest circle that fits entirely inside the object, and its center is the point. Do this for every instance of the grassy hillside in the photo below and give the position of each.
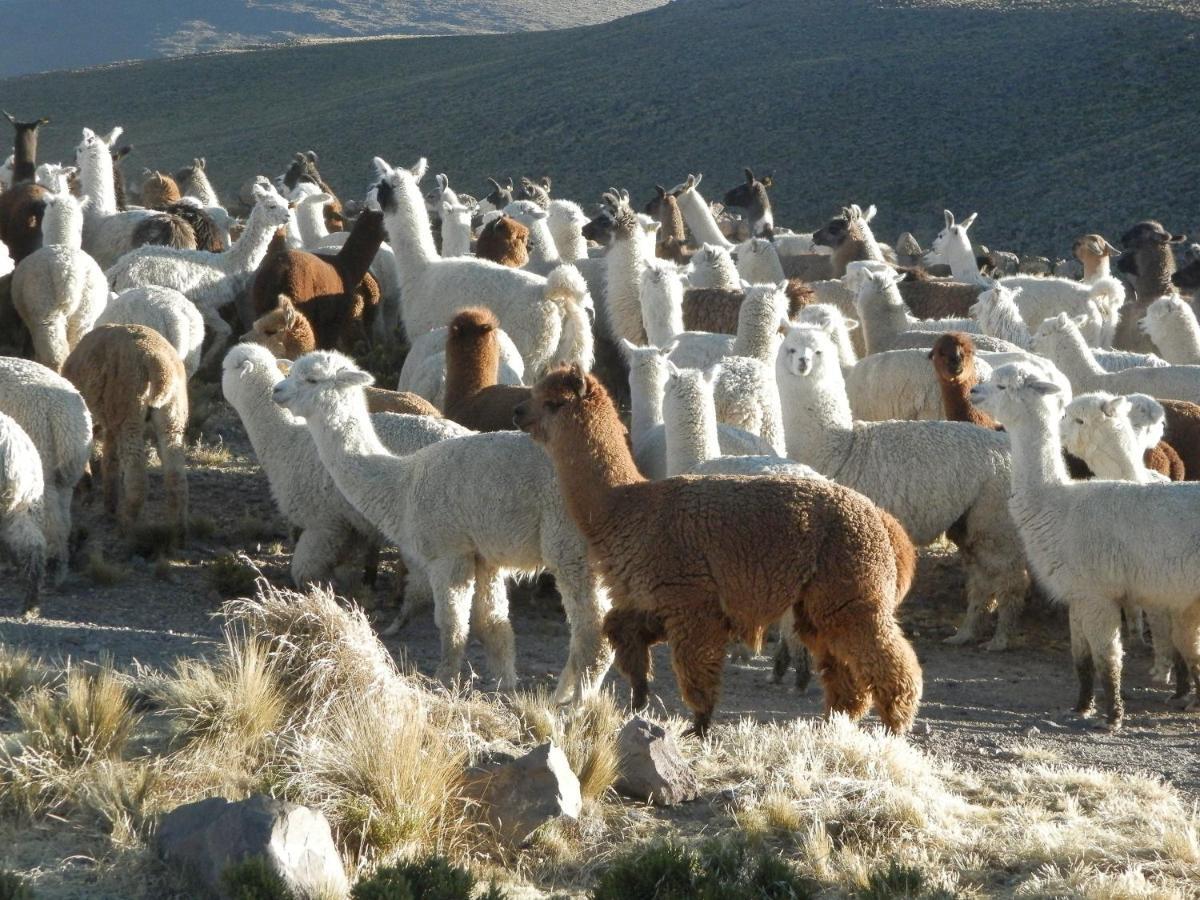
(49, 35)
(1050, 118)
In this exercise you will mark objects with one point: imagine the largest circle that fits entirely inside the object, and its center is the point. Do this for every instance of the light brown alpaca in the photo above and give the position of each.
(930, 298)
(953, 356)
(1096, 254)
(474, 396)
(130, 375)
(159, 190)
(504, 240)
(701, 561)
(716, 309)
(672, 238)
(849, 235)
(406, 403)
(284, 330)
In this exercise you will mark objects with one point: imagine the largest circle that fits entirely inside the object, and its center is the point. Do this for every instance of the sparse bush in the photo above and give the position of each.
(14, 887)
(232, 576)
(89, 717)
(255, 529)
(210, 455)
(587, 734)
(202, 527)
(20, 673)
(254, 879)
(900, 882)
(432, 878)
(104, 571)
(154, 540)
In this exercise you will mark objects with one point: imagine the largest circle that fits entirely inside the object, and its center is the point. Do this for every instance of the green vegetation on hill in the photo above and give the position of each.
(1049, 119)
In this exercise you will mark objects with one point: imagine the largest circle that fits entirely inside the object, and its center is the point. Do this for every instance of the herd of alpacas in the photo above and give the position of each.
(703, 425)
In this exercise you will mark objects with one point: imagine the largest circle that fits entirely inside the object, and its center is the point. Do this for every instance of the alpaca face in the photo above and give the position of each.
(751, 195)
(246, 370)
(953, 358)
(553, 398)
(1163, 314)
(526, 212)
(806, 352)
(317, 381)
(1092, 247)
(1148, 418)
(1095, 424)
(953, 236)
(601, 229)
(1017, 391)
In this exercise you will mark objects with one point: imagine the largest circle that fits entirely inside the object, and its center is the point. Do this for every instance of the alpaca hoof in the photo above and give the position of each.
(959, 638)
(997, 644)
(1083, 712)
(446, 675)
(1109, 726)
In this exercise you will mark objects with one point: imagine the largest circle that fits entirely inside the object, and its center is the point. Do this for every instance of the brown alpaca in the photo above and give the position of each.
(702, 561)
(474, 397)
(164, 231)
(203, 227)
(335, 292)
(405, 403)
(304, 168)
(1183, 434)
(284, 331)
(716, 309)
(849, 237)
(929, 298)
(159, 190)
(504, 240)
(1149, 259)
(130, 375)
(1165, 460)
(672, 238)
(953, 356)
(23, 204)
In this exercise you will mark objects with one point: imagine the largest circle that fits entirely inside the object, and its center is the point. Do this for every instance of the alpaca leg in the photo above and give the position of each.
(791, 650)
(110, 469)
(1185, 634)
(1085, 669)
(1102, 624)
(371, 564)
(698, 643)
(453, 582)
(631, 633)
(489, 620)
(218, 331)
(56, 514)
(882, 664)
(22, 537)
(1162, 640)
(415, 596)
(843, 693)
(1009, 584)
(979, 595)
(589, 656)
(130, 453)
(169, 424)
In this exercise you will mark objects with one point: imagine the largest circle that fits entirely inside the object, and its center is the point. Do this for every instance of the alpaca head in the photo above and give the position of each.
(661, 293)
(1097, 424)
(1091, 248)
(663, 207)
(1148, 418)
(320, 381)
(689, 184)
(953, 356)
(751, 196)
(952, 237)
(270, 208)
(712, 266)
(829, 319)
(758, 261)
(54, 177)
(996, 300)
(560, 400)
(503, 240)
(249, 372)
(763, 308)
(537, 192)
(877, 287)
(63, 218)
(91, 147)
(601, 228)
(1019, 392)
(807, 354)
(284, 331)
(850, 224)
(471, 327)
(159, 190)
(386, 193)
(195, 170)
(1057, 331)
(647, 368)
(687, 389)
(1165, 316)
(1149, 234)
(498, 197)
(527, 212)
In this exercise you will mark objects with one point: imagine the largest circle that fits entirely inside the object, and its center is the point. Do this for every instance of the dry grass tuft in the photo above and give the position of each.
(232, 574)
(20, 672)
(211, 455)
(153, 540)
(202, 527)
(104, 571)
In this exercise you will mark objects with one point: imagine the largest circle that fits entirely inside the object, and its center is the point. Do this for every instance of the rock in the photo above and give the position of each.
(519, 796)
(650, 766)
(1035, 265)
(207, 837)
(1032, 731)
(1068, 268)
(922, 728)
(1004, 263)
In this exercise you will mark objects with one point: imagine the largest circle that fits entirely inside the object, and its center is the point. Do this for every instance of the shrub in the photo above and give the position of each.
(90, 716)
(231, 576)
(14, 887)
(253, 879)
(432, 878)
(899, 881)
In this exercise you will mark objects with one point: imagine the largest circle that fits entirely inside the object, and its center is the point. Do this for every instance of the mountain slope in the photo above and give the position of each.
(1051, 119)
(46, 35)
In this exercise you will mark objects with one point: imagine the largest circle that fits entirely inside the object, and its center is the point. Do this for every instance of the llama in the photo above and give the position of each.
(935, 477)
(1077, 536)
(22, 202)
(129, 375)
(752, 197)
(193, 182)
(463, 526)
(697, 214)
(850, 237)
(730, 579)
(545, 317)
(209, 280)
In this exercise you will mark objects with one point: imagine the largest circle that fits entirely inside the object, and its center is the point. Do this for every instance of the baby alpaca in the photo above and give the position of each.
(130, 375)
(474, 398)
(166, 311)
(700, 561)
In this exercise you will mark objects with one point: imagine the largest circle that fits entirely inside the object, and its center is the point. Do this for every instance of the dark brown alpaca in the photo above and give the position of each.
(504, 240)
(1183, 434)
(474, 397)
(930, 298)
(849, 236)
(335, 292)
(953, 356)
(208, 237)
(23, 204)
(1149, 259)
(119, 176)
(304, 168)
(752, 197)
(164, 231)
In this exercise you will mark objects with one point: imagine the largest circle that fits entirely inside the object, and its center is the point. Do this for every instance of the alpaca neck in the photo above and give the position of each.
(961, 259)
(310, 222)
(542, 249)
(572, 244)
(25, 154)
(756, 334)
(355, 258)
(62, 225)
(1117, 459)
(662, 313)
(1037, 459)
(882, 318)
(699, 219)
(1155, 267)
(1071, 354)
(646, 403)
(456, 235)
(96, 179)
(1095, 268)
(817, 423)
(267, 423)
(576, 343)
(471, 367)
(201, 188)
(408, 228)
(672, 223)
(957, 405)
(691, 429)
(762, 219)
(592, 458)
(625, 262)
(249, 249)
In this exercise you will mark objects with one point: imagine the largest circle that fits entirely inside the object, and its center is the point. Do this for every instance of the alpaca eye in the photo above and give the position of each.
(552, 405)
(311, 380)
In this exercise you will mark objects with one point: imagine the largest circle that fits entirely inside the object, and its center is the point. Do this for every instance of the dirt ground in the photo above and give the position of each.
(977, 704)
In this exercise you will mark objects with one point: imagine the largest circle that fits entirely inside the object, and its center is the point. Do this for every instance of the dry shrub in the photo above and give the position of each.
(20, 672)
(90, 716)
(587, 734)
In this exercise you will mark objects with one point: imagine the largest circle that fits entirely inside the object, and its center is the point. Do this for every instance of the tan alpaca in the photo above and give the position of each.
(702, 561)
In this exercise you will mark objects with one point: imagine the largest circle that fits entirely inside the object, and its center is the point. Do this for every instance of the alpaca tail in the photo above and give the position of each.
(884, 660)
(1107, 293)
(566, 287)
(905, 553)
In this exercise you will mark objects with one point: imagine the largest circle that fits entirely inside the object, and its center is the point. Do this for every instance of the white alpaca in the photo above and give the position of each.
(693, 442)
(6, 263)
(543, 252)
(1097, 544)
(697, 214)
(199, 187)
(661, 298)
(304, 493)
(934, 477)
(647, 431)
(164, 310)
(54, 416)
(456, 229)
(6, 172)
(541, 315)
(308, 209)
(1059, 340)
(468, 511)
(21, 499)
(107, 232)
(424, 369)
(209, 280)
(632, 249)
(55, 177)
(712, 266)
(764, 306)
(758, 262)
(566, 221)
(1171, 324)
(58, 290)
(830, 319)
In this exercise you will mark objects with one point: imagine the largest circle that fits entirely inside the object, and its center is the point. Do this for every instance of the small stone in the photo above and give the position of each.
(922, 728)
(651, 767)
(207, 837)
(519, 796)
(1032, 731)
(728, 797)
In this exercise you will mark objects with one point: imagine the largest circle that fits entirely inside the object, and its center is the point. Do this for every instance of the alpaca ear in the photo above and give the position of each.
(351, 378)
(88, 134)
(781, 285)
(1116, 407)
(380, 166)
(785, 325)
(1044, 388)
(1177, 239)
(672, 369)
(11, 120)
(312, 156)
(967, 222)
(768, 181)
(660, 191)
(70, 171)
(869, 214)
(418, 170)
(545, 182)
(578, 380)
(749, 176)
(508, 183)
(284, 366)
(43, 121)
(929, 355)
(851, 324)
(949, 218)
(1110, 250)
